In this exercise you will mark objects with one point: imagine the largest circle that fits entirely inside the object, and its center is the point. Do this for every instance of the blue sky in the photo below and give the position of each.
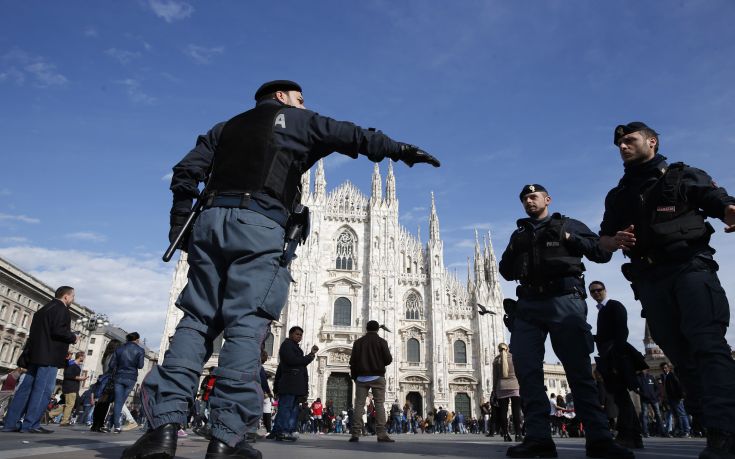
(99, 99)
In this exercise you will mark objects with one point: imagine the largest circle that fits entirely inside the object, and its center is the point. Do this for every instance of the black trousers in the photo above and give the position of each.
(688, 315)
(267, 421)
(515, 403)
(99, 415)
(628, 425)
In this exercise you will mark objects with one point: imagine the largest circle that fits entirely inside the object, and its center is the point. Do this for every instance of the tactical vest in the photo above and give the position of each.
(543, 255)
(670, 226)
(247, 161)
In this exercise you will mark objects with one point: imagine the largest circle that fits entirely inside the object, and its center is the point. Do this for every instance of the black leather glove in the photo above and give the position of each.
(177, 223)
(411, 154)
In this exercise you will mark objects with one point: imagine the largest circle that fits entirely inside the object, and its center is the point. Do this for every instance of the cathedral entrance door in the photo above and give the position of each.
(462, 404)
(416, 401)
(339, 390)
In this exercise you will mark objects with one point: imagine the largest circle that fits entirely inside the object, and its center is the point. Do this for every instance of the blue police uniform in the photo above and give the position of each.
(238, 281)
(551, 302)
(674, 276)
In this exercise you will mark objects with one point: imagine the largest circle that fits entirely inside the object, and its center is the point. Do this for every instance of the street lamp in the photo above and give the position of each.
(93, 322)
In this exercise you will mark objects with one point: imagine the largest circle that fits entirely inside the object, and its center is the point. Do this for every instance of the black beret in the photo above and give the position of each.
(372, 325)
(276, 85)
(531, 189)
(625, 129)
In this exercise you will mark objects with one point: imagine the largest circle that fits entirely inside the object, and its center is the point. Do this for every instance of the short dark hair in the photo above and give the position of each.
(79, 354)
(295, 328)
(132, 336)
(647, 133)
(63, 290)
(598, 283)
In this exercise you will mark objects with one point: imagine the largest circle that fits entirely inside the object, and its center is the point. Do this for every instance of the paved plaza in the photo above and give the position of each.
(78, 443)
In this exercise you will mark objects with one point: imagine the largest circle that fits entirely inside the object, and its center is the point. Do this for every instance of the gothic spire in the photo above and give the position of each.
(305, 184)
(377, 192)
(433, 221)
(390, 185)
(320, 183)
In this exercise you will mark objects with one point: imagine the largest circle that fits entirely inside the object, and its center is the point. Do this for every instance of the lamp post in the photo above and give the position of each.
(93, 322)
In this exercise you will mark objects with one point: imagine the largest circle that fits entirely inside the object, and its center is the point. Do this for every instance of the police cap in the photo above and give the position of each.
(276, 85)
(372, 325)
(625, 129)
(531, 189)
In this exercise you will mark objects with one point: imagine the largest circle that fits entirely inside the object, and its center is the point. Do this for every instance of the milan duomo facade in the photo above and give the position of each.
(360, 264)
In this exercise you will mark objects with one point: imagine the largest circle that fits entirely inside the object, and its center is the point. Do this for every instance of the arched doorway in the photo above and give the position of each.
(416, 401)
(339, 391)
(462, 404)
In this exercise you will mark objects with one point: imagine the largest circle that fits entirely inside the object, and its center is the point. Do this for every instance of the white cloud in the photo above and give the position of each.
(20, 67)
(5, 192)
(18, 218)
(90, 32)
(87, 236)
(202, 54)
(122, 55)
(135, 93)
(133, 292)
(171, 10)
(167, 177)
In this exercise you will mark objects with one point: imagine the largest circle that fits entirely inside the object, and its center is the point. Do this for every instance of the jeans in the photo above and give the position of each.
(395, 426)
(677, 406)
(31, 398)
(122, 390)
(288, 412)
(87, 415)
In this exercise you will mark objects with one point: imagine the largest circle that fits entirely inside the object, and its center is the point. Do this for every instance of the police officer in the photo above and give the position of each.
(545, 256)
(238, 272)
(656, 215)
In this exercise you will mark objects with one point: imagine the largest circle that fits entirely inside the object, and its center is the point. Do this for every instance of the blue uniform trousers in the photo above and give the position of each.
(688, 314)
(236, 285)
(565, 319)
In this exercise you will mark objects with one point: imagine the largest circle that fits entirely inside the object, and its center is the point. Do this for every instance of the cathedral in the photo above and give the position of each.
(360, 264)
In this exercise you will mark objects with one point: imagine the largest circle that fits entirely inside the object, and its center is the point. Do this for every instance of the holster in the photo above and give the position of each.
(297, 230)
(509, 306)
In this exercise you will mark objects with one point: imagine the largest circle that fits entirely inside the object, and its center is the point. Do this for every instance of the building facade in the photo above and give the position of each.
(360, 264)
(21, 295)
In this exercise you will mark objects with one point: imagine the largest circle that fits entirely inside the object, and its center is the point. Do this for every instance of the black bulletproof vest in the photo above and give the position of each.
(542, 254)
(247, 161)
(669, 224)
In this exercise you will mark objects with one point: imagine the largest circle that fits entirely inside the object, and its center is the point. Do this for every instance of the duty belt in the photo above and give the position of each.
(245, 201)
(551, 288)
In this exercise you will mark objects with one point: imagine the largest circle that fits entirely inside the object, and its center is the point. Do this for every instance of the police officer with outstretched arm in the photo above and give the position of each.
(657, 215)
(545, 256)
(238, 271)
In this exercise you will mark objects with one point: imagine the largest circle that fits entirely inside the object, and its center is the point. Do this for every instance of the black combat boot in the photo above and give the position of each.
(158, 443)
(533, 447)
(634, 441)
(607, 449)
(720, 445)
(220, 450)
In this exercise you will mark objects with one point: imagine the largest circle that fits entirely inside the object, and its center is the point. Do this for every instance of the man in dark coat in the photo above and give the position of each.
(675, 398)
(615, 363)
(48, 343)
(291, 383)
(370, 355)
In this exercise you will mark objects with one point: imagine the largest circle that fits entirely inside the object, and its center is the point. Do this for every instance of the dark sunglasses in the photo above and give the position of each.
(596, 290)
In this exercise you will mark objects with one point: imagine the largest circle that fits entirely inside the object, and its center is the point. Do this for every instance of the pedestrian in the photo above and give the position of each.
(317, 410)
(506, 391)
(238, 269)
(48, 341)
(87, 399)
(370, 355)
(675, 398)
(267, 394)
(70, 386)
(10, 381)
(618, 363)
(545, 256)
(291, 384)
(649, 395)
(395, 417)
(125, 363)
(657, 215)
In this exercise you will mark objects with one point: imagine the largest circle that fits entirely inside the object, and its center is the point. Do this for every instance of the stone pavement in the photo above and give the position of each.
(79, 443)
